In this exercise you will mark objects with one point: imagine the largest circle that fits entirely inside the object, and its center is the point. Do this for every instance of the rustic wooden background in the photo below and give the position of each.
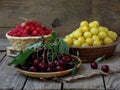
(69, 13)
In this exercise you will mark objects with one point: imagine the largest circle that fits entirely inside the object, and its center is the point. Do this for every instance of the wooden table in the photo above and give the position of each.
(11, 79)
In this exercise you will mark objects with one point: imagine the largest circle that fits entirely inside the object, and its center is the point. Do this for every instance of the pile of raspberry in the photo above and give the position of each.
(30, 28)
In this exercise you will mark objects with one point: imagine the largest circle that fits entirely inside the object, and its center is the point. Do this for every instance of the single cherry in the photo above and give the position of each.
(59, 68)
(105, 68)
(57, 63)
(51, 64)
(36, 62)
(94, 65)
(49, 69)
(43, 66)
(72, 64)
(33, 69)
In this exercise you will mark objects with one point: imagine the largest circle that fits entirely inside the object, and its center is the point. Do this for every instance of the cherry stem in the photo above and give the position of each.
(43, 55)
(25, 19)
(37, 55)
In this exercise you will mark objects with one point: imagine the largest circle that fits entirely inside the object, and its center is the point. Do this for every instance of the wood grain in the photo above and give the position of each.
(92, 83)
(2, 55)
(107, 12)
(9, 77)
(69, 12)
(3, 31)
(42, 84)
(112, 81)
(3, 44)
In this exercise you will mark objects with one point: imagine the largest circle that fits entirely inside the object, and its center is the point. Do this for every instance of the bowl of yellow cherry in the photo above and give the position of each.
(90, 41)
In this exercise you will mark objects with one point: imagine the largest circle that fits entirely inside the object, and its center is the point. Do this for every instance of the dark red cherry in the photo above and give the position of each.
(51, 64)
(57, 63)
(94, 65)
(33, 69)
(49, 69)
(43, 66)
(105, 68)
(36, 62)
(60, 56)
(66, 58)
(62, 62)
(59, 68)
(72, 64)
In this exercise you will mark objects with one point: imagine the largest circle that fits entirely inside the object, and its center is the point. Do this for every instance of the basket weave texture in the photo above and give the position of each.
(89, 54)
(20, 43)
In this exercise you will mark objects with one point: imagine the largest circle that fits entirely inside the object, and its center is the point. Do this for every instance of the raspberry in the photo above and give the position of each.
(27, 28)
(34, 33)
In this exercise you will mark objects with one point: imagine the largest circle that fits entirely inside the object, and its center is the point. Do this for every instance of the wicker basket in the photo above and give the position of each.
(89, 54)
(20, 43)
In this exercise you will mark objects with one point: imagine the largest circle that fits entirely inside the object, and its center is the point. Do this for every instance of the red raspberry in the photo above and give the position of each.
(34, 33)
(27, 28)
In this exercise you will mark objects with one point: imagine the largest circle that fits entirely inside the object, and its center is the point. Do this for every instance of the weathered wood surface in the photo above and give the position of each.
(92, 83)
(9, 77)
(3, 31)
(42, 84)
(2, 55)
(112, 81)
(3, 44)
(69, 12)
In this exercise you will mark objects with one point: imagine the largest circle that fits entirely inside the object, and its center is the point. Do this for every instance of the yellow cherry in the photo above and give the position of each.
(87, 35)
(84, 23)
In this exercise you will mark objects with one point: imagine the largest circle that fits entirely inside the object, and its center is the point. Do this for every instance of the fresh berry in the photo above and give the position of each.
(36, 62)
(105, 68)
(94, 65)
(57, 63)
(33, 28)
(72, 64)
(49, 69)
(33, 69)
(51, 64)
(34, 33)
(43, 66)
(59, 68)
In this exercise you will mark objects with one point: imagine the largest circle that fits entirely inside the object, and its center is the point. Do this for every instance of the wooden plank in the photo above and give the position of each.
(2, 55)
(118, 47)
(3, 44)
(45, 12)
(108, 14)
(91, 83)
(42, 84)
(112, 81)
(3, 32)
(9, 77)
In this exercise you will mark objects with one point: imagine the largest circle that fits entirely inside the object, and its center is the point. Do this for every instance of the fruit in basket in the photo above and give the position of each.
(91, 34)
(27, 33)
(46, 56)
(29, 28)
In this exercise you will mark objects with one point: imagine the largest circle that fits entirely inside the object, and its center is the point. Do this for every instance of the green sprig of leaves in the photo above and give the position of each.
(21, 58)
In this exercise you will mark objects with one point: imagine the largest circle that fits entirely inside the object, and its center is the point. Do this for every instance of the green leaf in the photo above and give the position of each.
(63, 47)
(36, 45)
(74, 70)
(78, 54)
(53, 37)
(100, 59)
(21, 58)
